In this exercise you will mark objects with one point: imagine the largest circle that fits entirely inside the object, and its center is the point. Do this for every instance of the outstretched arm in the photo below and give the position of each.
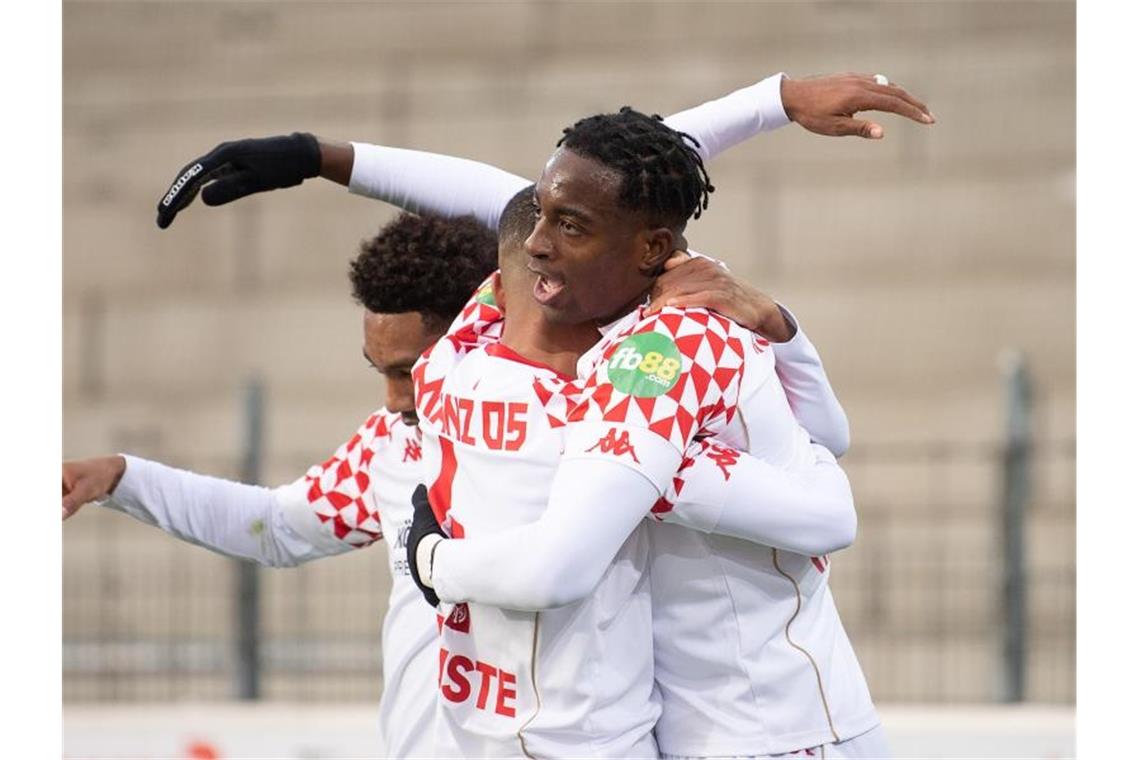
(331, 510)
(235, 169)
(234, 519)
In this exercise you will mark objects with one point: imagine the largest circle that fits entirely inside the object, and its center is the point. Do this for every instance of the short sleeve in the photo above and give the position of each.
(671, 378)
(336, 500)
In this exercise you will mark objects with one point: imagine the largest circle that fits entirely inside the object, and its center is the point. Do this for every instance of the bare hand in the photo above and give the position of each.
(827, 105)
(85, 480)
(697, 282)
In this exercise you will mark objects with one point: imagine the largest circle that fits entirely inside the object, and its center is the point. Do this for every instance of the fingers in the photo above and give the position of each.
(878, 97)
(843, 126)
(229, 188)
(81, 493)
(676, 259)
(183, 189)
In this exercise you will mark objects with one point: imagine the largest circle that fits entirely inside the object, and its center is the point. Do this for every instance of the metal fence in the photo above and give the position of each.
(922, 594)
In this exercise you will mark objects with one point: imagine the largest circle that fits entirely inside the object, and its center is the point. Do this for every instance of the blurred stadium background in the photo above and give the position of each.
(934, 270)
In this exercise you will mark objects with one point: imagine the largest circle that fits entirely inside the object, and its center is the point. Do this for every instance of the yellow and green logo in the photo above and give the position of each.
(486, 296)
(645, 365)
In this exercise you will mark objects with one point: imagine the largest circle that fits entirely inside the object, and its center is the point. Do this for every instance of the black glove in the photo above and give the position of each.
(423, 525)
(240, 168)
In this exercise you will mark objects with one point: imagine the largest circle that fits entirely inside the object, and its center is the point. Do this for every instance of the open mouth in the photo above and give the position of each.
(547, 288)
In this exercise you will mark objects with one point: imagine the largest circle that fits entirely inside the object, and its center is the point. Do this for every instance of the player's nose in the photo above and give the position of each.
(538, 244)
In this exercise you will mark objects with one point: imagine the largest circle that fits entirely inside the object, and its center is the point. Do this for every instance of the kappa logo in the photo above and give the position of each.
(722, 457)
(190, 174)
(412, 451)
(612, 443)
(645, 365)
(459, 619)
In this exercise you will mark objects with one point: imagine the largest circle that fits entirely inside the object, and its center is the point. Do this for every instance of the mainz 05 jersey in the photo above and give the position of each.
(751, 657)
(361, 494)
(571, 681)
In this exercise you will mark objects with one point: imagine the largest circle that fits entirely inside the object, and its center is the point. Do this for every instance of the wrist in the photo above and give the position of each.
(336, 160)
(425, 557)
(791, 96)
(116, 467)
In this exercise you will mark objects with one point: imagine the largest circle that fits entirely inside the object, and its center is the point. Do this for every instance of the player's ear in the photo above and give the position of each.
(499, 291)
(659, 245)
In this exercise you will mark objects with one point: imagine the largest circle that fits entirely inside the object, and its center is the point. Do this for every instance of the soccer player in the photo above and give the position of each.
(824, 105)
(577, 680)
(411, 280)
(736, 678)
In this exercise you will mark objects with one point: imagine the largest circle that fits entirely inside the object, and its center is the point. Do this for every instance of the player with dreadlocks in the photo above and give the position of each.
(749, 654)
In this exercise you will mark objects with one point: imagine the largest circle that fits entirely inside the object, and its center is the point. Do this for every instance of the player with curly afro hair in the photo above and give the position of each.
(412, 279)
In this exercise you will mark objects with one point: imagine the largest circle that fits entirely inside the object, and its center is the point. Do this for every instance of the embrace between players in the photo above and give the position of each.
(536, 416)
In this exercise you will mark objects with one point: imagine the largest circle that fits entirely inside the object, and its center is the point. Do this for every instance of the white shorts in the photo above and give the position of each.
(869, 745)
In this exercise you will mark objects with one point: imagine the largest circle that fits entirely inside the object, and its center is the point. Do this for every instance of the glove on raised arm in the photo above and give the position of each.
(242, 167)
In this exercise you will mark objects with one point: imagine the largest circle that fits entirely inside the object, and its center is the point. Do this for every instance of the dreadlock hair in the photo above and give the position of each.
(662, 172)
(426, 263)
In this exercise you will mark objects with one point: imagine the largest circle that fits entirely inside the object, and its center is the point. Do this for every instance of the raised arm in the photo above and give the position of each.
(453, 186)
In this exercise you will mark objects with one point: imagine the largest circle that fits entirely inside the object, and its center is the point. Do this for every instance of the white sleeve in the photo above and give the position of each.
(722, 123)
(234, 519)
(809, 392)
(558, 559)
(807, 511)
(418, 181)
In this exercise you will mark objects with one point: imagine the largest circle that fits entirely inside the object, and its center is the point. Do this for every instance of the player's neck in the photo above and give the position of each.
(556, 346)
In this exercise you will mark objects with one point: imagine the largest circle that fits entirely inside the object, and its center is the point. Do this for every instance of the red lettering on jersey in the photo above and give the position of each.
(488, 672)
(442, 652)
(412, 451)
(611, 443)
(723, 457)
(516, 425)
(458, 687)
(501, 707)
(459, 619)
(494, 420)
(502, 425)
(466, 412)
(457, 669)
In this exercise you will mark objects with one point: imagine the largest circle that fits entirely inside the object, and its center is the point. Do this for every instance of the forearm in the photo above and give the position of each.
(430, 182)
(558, 559)
(722, 123)
(234, 519)
(809, 392)
(807, 511)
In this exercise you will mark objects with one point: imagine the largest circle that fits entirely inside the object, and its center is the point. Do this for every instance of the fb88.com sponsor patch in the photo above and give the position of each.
(645, 365)
(486, 296)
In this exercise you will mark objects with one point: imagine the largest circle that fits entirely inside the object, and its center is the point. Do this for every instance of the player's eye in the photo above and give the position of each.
(569, 228)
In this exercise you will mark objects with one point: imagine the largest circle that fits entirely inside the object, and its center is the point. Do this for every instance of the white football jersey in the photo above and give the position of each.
(571, 681)
(751, 658)
(360, 494)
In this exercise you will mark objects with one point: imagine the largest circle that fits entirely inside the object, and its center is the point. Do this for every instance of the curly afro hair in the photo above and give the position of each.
(424, 263)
